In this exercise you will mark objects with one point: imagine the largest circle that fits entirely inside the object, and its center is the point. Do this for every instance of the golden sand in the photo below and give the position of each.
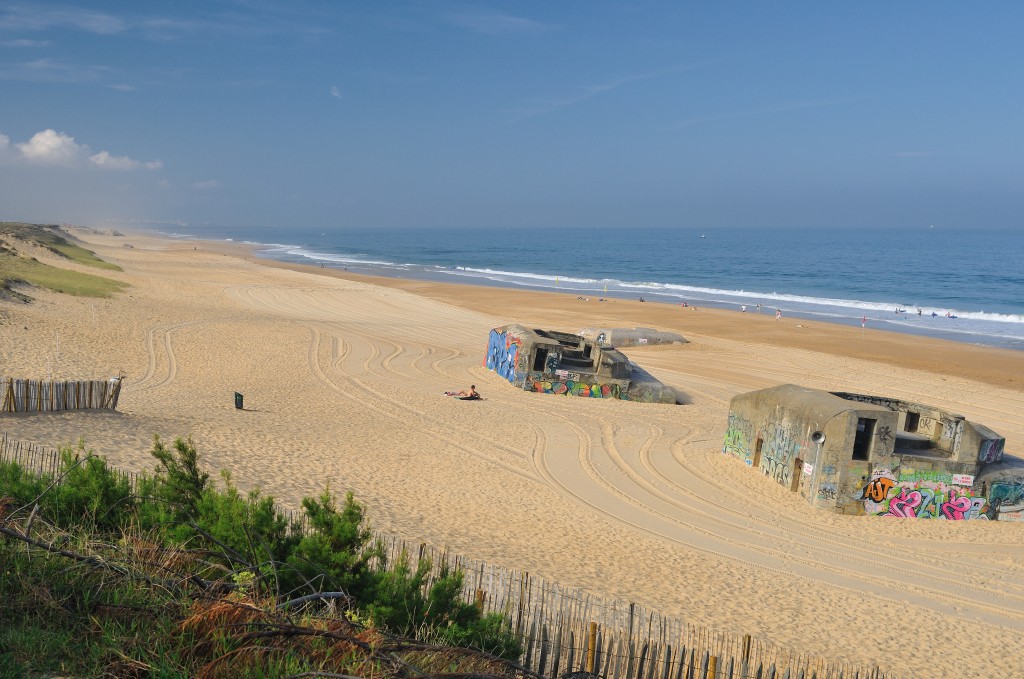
(343, 378)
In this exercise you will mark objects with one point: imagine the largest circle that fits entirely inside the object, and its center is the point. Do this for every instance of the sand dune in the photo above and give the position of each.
(343, 376)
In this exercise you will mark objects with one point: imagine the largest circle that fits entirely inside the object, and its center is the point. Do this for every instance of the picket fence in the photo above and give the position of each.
(567, 631)
(22, 396)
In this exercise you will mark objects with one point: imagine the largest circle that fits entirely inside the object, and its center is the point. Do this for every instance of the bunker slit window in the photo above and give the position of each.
(862, 441)
(757, 452)
(539, 360)
(912, 421)
(798, 468)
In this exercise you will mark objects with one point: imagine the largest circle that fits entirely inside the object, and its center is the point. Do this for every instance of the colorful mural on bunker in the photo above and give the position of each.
(923, 495)
(551, 362)
(857, 454)
(502, 354)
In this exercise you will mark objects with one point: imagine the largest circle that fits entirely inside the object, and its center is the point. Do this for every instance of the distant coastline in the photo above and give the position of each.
(679, 266)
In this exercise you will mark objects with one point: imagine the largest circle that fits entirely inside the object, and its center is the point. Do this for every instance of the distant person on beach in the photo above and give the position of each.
(469, 395)
(743, 308)
(778, 314)
(641, 299)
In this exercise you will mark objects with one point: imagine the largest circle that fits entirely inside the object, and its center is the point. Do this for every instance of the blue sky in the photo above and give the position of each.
(439, 114)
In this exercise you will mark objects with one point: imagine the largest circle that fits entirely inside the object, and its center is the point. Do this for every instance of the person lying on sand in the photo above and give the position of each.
(470, 395)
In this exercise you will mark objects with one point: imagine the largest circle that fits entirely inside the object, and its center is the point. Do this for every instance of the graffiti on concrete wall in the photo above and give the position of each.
(925, 424)
(1006, 500)
(738, 436)
(876, 490)
(921, 494)
(570, 387)
(952, 430)
(780, 448)
(891, 404)
(503, 354)
(991, 450)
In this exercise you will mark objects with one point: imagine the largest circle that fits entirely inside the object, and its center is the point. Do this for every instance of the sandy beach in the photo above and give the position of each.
(343, 376)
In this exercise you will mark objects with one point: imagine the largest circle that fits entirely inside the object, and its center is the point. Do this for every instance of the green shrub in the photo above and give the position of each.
(399, 605)
(89, 493)
(450, 620)
(169, 499)
(248, 524)
(335, 555)
(19, 484)
(180, 483)
(179, 504)
(397, 602)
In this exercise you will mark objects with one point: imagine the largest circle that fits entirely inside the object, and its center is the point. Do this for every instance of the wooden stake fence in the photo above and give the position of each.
(567, 631)
(22, 396)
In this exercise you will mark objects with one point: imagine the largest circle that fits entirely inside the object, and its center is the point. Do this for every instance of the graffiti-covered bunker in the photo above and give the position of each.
(859, 454)
(630, 337)
(562, 363)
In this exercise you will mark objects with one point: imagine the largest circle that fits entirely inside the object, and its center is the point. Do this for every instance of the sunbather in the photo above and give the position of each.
(470, 395)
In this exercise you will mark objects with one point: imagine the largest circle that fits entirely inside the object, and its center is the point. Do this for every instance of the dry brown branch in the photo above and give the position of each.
(97, 562)
(325, 596)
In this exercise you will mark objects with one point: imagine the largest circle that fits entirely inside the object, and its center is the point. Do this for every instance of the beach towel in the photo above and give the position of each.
(475, 397)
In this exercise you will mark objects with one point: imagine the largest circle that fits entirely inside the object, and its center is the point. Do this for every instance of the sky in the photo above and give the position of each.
(341, 114)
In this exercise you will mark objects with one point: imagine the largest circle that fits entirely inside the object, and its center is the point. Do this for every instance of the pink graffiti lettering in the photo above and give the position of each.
(956, 508)
(905, 504)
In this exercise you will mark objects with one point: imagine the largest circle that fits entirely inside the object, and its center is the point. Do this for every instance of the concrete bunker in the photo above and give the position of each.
(630, 337)
(553, 362)
(858, 454)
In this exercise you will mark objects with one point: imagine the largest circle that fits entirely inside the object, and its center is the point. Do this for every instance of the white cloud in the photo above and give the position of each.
(52, 71)
(335, 92)
(105, 161)
(492, 23)
(50, 148)
(33, 18)
(122, 88)
(207, 185)
(23, 42)
(540, 107)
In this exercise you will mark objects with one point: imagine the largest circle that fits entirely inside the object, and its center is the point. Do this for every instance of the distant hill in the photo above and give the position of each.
(20, 268)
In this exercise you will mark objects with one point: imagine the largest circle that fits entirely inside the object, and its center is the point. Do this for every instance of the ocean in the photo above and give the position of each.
(962, 285)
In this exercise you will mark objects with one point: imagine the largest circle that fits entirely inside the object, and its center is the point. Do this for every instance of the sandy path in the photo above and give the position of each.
(342, 381)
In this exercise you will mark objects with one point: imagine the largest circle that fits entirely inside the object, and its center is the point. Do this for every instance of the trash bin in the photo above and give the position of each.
(238, 400)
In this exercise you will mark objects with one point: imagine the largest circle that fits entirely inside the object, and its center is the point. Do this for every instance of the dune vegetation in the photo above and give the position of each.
(170, 574)
(17, 265)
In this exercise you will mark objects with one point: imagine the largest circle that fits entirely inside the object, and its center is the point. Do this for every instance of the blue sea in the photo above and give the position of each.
(967, 284)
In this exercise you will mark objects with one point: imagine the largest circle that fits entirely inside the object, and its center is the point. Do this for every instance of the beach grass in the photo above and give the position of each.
(77, 253)
(17, 267)
(14, 269)
(123, 576)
